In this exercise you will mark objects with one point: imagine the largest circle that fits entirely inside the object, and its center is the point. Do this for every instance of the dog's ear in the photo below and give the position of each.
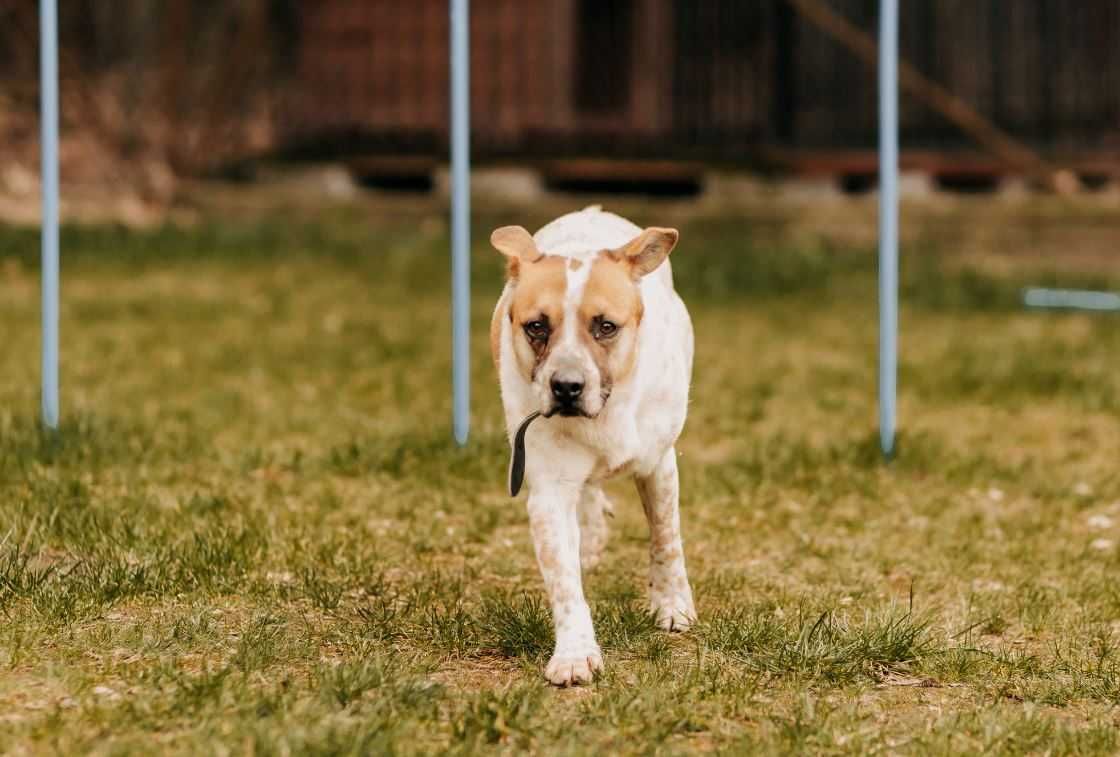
(647, 250)
(517, 245)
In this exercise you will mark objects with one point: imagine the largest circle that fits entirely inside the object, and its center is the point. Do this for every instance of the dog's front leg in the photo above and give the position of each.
(670, 595)
(554, 520)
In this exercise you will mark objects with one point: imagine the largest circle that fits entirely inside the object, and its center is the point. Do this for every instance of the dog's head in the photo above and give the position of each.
(575, 320)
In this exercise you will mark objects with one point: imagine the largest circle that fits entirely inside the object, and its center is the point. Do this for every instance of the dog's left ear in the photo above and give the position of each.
(648, 250)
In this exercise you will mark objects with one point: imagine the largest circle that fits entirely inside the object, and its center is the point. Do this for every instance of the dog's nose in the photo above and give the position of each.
(566, 392)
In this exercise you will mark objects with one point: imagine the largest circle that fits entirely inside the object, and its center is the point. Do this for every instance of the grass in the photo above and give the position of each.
(253, 532)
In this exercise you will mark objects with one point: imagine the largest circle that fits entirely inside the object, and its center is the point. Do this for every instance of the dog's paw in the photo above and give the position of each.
(573, 669)
(673, 613)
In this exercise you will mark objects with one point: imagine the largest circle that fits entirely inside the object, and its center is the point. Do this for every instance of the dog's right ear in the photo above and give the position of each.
(517, 245)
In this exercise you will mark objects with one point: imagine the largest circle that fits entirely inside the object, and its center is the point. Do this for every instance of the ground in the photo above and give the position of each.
(253, 533)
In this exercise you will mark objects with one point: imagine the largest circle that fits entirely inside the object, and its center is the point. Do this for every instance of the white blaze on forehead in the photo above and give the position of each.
(578, 271)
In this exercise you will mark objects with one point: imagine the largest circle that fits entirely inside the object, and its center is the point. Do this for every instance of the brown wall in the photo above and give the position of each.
(382, 66)
(714, 78)
(710, 79)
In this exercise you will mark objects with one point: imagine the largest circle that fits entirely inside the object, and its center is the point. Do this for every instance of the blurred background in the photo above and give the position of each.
(253, 531)
(589, 94)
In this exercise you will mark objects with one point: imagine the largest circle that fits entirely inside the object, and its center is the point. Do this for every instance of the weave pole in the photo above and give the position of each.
(888, 223)
(48, 73)
(460, 219)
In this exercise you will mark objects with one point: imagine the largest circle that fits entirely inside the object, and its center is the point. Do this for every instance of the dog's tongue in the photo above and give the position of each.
(517, 462)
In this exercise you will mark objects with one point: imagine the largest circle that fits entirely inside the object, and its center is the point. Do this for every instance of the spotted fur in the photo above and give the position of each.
(577, 273)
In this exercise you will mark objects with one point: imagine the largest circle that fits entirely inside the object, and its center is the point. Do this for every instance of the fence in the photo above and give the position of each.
(207, 83)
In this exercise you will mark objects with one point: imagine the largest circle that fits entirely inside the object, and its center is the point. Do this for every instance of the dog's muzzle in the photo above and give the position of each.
(567, 394)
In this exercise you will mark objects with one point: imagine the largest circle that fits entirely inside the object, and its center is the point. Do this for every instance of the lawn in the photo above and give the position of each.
(253, 533)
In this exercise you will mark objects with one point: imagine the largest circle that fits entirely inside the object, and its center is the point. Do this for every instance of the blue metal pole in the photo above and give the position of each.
(888, 222)
(1071, 299)
(460, 218)
(48, 70)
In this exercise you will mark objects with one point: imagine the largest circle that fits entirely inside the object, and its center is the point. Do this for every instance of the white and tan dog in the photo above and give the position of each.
(590, 334)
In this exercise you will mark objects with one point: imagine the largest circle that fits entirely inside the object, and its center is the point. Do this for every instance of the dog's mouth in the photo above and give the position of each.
(567, 411)
(577, 410)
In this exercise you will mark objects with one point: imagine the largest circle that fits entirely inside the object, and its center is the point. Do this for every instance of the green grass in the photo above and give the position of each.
(253, 532)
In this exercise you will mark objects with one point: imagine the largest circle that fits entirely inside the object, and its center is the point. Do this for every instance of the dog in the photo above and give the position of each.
(590, 338)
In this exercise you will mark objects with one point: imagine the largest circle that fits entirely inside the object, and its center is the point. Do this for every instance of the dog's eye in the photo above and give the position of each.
(604, 329)
(536, 330)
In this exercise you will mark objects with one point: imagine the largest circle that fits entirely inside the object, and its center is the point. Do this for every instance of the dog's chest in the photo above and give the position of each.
(621, 444)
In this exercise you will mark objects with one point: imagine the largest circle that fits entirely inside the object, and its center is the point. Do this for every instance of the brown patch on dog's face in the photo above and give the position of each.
(609, 315)
(537, 312)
